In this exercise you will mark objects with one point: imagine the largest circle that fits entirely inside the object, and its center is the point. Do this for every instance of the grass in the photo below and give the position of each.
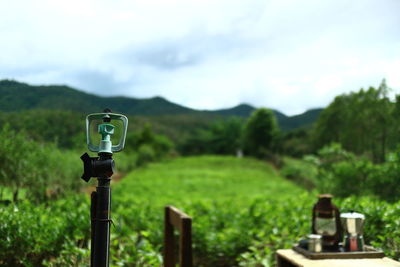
(204, 178)
(197, 178)
(233, 202)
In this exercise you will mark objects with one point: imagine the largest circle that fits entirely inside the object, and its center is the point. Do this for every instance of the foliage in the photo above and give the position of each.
(44, 171)
(300, 172)
(214, 183)
(148, 146)
(336, 167)
(296, 143)
(260, 132)
(34, 235)
(222, 137)
(240, 210)
(384, 180)
(125, 162)
(362, 122)
(345, 174)
(41, 168)
(301, 121)
(65, 128)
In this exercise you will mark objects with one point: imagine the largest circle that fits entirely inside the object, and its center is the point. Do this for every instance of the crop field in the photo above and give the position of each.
(242, 211)
(228, 198)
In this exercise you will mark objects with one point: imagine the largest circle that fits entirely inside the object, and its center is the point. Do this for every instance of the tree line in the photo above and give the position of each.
(365, 123)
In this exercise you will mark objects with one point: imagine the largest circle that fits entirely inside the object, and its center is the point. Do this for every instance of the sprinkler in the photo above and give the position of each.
(102, 167)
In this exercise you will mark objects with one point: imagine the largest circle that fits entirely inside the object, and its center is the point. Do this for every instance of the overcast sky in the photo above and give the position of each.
(286, 55)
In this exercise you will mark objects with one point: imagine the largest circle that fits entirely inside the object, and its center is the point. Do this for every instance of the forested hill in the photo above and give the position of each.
(16, 96)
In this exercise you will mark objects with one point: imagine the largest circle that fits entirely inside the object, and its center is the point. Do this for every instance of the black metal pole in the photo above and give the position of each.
(93, 204)
(101, 248)
(101, 167)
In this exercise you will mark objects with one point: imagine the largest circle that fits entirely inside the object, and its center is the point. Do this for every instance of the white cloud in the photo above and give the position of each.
(288, 55)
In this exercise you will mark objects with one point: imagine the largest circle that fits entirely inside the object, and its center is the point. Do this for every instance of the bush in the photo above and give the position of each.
(147, 146)
(384, 181)
(296, 143)
(42, 170)
(146, 154)
(344, 174)
(336, 167)
(301, 172)
(222, 138)
(34, 235)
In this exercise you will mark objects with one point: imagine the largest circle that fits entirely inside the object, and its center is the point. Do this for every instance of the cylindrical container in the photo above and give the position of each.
(326, 222)
(353, 223)
(314, 243)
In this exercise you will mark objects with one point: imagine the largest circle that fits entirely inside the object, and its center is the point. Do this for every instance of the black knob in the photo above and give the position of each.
(96, 167)
(88, 170)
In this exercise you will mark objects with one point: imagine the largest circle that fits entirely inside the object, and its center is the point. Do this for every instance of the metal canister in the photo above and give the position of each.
(353, 223)
(314, 243)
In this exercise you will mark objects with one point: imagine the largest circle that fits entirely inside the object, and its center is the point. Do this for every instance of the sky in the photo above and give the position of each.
(281, 54)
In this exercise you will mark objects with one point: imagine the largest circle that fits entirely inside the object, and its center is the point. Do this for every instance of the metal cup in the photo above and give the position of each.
(353, 223)
(314, 243)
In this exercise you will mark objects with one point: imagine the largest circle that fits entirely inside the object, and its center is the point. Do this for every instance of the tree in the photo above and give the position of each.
(148, 145)
(226, 136)
(296, 143)
(362, 122)
(260, 133)
(16, 157)
(222, 137)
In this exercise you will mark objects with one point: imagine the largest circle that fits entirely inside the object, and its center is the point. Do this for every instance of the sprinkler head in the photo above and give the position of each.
(103, 122)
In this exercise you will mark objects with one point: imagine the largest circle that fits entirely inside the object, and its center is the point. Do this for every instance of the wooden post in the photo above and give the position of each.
(169, 241)
(185, 243)
(174, 218)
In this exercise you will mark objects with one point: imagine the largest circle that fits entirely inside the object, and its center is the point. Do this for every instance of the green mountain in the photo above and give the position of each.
(305, 119)
(242, 110)
(16, 96)
(286, 123)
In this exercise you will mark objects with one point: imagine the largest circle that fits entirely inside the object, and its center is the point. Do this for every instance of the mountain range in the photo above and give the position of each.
(16, 96)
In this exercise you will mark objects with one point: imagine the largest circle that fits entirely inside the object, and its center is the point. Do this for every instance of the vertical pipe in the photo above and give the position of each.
(102, 227)
(93, 203)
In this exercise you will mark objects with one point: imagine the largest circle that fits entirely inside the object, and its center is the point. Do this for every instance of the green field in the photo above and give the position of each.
(242, 211)
(234, 204)
(204, 178)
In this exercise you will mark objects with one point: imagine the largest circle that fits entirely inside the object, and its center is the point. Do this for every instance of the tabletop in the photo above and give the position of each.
(290, 258)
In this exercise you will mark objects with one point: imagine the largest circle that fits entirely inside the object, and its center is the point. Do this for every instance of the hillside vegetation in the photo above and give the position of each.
(16, 96)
